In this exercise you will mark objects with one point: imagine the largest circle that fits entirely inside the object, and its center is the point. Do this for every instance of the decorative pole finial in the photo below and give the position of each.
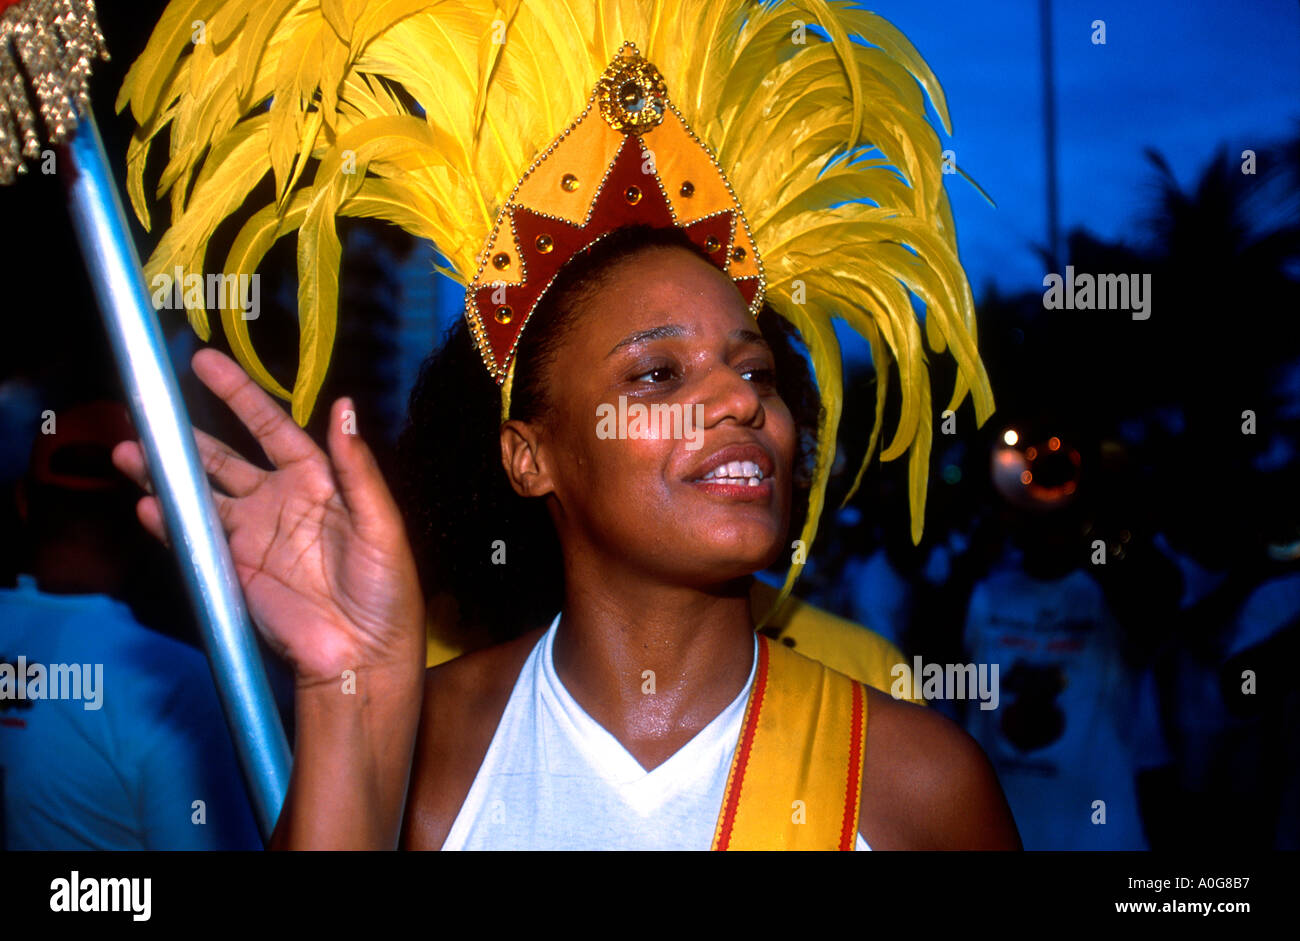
(46, 51)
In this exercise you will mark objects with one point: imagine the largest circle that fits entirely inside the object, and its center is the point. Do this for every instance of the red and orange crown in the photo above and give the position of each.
(640, 164)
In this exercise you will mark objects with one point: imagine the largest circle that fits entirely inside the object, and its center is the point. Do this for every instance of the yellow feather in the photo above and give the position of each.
(918, 467)
(295, 87)
(227, 178)
(341, 15)
(489, 54)
(898, 47)
(830, 21)
(319, 255)
(404, 143)
(197, 314)
(149, 74)
(252, 43)
(881, 359)
(824, 352)
(246, 253)
(137, 156)
(391, 202)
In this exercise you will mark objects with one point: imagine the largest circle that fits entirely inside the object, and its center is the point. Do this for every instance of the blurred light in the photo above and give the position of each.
(1172, 419)
(1031, 453)
(1069, 487)
(1010, 437)
(952, 474)
(1026, 477)
(1284, 552)
(1132, 430)
(1053, 444)
(1280, 453)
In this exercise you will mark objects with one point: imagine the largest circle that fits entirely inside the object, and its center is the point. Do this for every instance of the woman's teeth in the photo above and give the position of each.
(736, 473)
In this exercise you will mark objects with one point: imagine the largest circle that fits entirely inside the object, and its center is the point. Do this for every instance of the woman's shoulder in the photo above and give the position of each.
(926, 784)
(464, 700)
(479, 674)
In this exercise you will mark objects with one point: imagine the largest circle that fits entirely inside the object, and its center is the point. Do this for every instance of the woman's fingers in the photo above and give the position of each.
(221, 462)
(360, 482)
(128, 457)
(149, 512)
(282, 440)
(226, 466)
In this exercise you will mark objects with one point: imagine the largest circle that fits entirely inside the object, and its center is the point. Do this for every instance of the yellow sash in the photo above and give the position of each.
(796, 776)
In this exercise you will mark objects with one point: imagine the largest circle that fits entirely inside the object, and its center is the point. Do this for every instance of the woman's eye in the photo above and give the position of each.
(762, 376)
(657, 374)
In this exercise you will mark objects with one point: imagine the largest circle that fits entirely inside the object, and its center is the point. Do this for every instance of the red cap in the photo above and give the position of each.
(76, 453)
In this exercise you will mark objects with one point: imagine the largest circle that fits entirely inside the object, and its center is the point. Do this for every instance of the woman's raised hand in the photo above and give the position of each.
(318, 542)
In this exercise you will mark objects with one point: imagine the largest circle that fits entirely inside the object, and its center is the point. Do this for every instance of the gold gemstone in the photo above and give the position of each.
(631, 93)
(544, 244)
(631, 96)
(569, 182)
(738, 254)
(688, 189)
(633, 194)
(711, 244)
(505, 314)
(501, 260)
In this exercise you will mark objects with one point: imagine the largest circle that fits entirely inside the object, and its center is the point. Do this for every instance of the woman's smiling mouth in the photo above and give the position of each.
(747, 473)
(736, 472)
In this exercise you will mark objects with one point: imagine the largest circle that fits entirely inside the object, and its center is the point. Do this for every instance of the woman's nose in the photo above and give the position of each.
(726, 394)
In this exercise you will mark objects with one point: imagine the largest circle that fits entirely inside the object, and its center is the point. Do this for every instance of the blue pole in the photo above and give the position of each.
(179, 480)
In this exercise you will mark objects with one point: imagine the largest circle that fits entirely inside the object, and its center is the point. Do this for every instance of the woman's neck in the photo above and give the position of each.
(654, 663)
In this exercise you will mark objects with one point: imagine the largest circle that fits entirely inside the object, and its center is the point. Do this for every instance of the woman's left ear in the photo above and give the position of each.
(521, 458)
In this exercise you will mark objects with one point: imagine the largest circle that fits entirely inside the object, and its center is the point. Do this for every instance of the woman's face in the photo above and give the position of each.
(668, 448)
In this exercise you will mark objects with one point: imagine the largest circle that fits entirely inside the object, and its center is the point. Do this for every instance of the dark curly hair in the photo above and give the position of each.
(453, 489)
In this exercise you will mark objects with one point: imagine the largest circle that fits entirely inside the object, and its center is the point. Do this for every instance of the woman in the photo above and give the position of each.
(656, 567)
(637, 274)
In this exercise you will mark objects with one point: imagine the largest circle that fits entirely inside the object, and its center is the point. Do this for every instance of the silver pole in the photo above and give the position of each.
(179, 480)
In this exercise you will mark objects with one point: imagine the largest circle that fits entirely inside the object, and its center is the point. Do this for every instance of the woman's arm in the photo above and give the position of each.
(927, 784)
(351, 762)
(322, 556)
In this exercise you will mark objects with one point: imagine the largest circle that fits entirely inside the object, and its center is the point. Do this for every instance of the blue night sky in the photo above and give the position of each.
(1182, 77)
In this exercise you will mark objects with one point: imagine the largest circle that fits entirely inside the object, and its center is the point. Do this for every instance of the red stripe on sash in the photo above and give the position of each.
(746, 742)
(853, 793)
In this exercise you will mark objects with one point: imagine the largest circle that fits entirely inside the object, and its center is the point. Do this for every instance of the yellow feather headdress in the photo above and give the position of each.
(426, 113)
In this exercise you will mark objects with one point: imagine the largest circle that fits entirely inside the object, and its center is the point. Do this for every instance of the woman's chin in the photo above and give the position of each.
(740, 552)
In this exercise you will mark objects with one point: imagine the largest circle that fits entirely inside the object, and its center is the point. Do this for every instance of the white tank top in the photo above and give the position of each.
(555, 779)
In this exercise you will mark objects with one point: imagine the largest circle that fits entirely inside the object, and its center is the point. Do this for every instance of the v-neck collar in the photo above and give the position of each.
(643, 790)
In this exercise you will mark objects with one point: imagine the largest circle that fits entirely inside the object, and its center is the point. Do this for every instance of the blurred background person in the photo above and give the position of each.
(1072, 688)
(130, 772)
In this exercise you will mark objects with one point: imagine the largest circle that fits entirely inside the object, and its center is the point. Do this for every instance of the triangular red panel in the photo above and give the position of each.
(611, 210)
